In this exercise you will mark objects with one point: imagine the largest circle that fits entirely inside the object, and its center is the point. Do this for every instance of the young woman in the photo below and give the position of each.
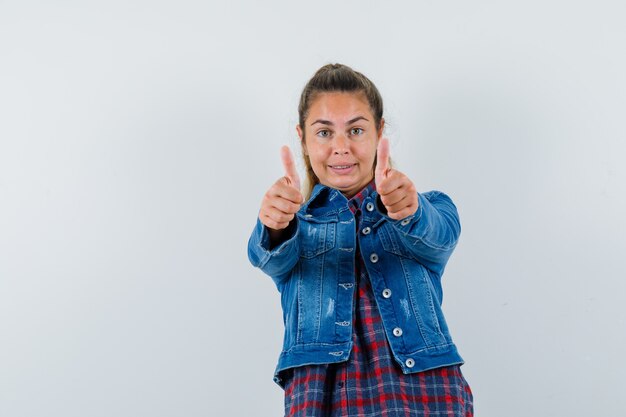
(358, 261)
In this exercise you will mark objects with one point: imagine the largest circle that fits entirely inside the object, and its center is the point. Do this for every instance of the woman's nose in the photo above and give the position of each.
(340, 145)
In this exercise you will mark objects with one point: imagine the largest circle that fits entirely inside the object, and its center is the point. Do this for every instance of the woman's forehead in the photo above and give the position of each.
(339, 108)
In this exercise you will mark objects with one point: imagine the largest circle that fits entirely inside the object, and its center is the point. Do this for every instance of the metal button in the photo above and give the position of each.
(409, 363)
(405, 222)
(366, 230)
(369, 206)
(397, 332)
(374, 258)
(386, 293)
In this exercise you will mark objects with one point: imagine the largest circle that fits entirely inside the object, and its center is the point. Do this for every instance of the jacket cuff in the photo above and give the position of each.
(408, 223)
(261, 245)
(290, 234)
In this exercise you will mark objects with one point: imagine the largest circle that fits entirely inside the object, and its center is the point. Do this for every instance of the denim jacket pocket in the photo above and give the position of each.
(391, 241)
(317, 238)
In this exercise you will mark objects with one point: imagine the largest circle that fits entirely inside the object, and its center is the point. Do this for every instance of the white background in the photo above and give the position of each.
(138, 137)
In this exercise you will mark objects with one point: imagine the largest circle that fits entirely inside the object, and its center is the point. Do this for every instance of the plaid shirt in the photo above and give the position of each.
(370, 383)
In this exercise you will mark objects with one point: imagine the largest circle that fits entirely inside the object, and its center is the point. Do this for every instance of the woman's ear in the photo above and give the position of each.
(302, 141)
(381, 128)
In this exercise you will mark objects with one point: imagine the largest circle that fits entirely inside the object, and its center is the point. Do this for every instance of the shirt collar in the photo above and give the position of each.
(356, 202)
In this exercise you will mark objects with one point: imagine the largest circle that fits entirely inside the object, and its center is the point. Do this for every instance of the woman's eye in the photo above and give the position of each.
(356, 131)
(323, 133)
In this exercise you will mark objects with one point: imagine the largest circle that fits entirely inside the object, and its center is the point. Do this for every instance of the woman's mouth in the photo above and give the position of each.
(342, 169)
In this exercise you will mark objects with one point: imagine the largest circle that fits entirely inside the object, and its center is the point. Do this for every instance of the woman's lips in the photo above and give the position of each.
(342, 168)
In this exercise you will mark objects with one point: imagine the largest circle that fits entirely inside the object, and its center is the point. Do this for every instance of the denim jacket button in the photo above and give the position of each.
(386, 293)
(397, 332)
(405, 222)
(369, 206)
(373, 258)
(366, 230)
(409, 363)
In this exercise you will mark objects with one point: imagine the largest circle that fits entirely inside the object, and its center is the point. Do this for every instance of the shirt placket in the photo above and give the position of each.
(351, 371)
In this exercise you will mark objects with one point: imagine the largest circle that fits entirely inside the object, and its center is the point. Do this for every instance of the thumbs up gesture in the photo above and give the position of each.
(396, 190)
(283, 200)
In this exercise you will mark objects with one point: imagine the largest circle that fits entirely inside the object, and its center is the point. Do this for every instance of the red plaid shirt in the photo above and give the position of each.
(370, 383)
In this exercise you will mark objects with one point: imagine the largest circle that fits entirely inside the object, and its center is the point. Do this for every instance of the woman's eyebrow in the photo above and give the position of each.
(329, 123)
(356, 119)
(322, 121)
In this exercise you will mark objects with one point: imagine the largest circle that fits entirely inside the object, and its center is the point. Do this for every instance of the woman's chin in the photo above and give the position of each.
(348, 190)
(347, 185)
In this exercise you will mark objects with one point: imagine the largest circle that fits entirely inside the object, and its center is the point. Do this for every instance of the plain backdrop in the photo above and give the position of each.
(138, 137)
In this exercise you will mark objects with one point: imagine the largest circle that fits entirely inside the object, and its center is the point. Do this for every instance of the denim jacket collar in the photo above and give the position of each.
(329, 202)
(325, 204)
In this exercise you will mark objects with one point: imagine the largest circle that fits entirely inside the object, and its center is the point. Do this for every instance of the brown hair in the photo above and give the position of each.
(335, 78)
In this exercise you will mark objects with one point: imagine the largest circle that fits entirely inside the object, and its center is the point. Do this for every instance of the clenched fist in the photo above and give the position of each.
(396, 190)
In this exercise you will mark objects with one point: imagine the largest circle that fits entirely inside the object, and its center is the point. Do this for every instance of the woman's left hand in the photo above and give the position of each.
(396, 190)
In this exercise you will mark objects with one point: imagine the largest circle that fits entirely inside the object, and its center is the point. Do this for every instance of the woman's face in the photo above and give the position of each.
(341, 140)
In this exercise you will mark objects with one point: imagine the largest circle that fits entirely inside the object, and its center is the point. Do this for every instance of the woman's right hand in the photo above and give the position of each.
(283, 200)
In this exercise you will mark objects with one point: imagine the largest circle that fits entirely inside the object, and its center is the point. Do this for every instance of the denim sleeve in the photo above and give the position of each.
(431, 234)
(276, 262)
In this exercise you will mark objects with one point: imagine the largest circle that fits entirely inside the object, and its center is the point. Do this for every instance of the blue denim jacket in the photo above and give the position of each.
(314, 272)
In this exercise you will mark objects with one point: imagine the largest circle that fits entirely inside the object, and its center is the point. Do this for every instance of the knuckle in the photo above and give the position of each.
(281, 224)
(286, 217)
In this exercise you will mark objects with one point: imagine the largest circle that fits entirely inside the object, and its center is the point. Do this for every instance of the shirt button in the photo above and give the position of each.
(409, 363)
(366, 231)
(397, 332)
(369, 206)
(386, 293)
(374, 258)
(405, 222)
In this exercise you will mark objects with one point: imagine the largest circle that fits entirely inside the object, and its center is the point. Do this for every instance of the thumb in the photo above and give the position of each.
(382, 160)
(290, 166)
